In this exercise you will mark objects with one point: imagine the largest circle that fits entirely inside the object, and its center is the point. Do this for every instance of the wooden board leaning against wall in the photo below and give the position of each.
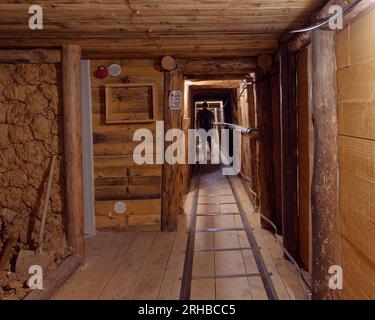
(117, 177)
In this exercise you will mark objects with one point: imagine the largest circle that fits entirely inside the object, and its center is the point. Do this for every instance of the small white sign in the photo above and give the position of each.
(175, 100)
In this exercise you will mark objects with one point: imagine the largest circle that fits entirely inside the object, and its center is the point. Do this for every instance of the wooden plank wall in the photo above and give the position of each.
(305, 157)
(240, 116)
(356, 104)
(117, 178)
(267, 194)
(289, 149)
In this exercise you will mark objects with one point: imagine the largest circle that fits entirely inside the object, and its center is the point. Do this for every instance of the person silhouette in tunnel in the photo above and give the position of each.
(205, 120)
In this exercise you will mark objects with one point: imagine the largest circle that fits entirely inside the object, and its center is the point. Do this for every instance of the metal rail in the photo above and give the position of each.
(228, 276)
(189, 254)
(222, 250)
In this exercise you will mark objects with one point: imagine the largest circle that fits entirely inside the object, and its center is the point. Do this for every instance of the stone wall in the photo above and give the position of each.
(30, 133)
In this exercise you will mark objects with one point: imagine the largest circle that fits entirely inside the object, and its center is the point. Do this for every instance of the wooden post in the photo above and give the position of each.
(171, 185)
(276, 128)
(289, 146)
(254, 183)
(299, 42)
(266, 169)
(71, 96)
(325, 167)
(56, 278)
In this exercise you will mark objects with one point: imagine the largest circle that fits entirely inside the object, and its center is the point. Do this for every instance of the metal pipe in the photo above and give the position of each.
(248, 131)
(327, 20)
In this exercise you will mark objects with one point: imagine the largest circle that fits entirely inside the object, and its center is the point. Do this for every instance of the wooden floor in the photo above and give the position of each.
(148, 265)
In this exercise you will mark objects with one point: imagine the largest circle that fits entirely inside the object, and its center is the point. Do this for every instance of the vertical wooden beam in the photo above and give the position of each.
(87, 150)
(71, 96)
(266, 169)
(289, 145)
(254, 183)
(276, 128)
(171, 185)
(325, 166)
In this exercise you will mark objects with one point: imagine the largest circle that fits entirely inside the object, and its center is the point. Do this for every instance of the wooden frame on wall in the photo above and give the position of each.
(110, 116)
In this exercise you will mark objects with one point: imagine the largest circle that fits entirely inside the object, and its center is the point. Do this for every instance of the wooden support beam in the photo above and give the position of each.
(171, 185)
(57, 278)
(299, 42)
(289, 146)
(168, 63)
(265, 162)
(276, 128)
(71, 96)
(325, 167)
(30, 56)
(209, 66)
(254, 182)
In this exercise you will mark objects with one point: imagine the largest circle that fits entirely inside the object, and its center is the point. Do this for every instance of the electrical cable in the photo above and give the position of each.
(248, 84)
(322, 23)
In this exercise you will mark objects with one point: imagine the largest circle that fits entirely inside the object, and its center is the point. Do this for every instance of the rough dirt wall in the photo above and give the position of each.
(30, 133)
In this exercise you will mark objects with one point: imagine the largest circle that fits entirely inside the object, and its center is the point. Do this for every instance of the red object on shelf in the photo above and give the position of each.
(102, 72)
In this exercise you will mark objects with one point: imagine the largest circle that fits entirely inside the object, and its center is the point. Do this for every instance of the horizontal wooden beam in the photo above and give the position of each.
(299, 42)
(57, 278)
(211, 66)
(30, 56)
(213, 77)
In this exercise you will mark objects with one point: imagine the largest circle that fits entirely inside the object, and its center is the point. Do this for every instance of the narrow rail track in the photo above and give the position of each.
(188, 275)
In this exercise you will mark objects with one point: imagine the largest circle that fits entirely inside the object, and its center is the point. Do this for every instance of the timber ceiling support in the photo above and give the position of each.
(71, 96)
(172, 179)
(216, 66)
(194, 29)
(30, 56)
(325, 166)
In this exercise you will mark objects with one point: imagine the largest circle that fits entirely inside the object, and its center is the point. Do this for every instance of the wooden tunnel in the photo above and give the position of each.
(101, 77)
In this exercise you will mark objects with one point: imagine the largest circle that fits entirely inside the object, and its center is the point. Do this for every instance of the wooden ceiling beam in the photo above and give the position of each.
(30, 56)
(182, 28)
(216, 66)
